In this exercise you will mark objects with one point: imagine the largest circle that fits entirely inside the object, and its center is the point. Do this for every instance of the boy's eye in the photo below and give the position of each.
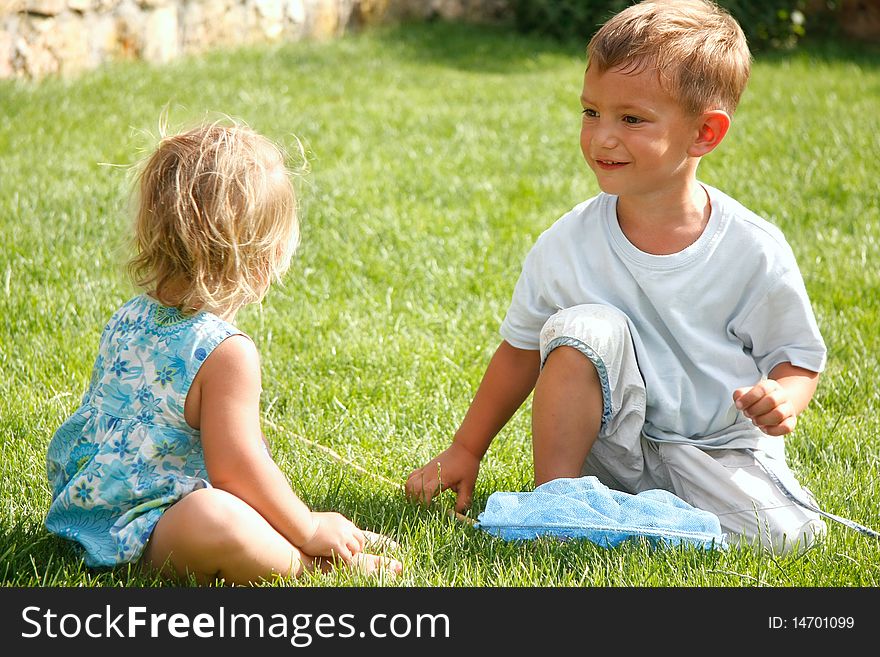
(632, 120)
(590, 113)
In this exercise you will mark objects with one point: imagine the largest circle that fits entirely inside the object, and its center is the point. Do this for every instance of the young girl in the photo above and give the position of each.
(164, 461)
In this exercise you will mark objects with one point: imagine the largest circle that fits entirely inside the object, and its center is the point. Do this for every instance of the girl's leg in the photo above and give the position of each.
(566, 414)
(212, 534)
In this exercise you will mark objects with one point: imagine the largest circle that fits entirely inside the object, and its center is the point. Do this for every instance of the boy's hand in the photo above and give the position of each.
(768, 406)
(334, 536)
(455, 468)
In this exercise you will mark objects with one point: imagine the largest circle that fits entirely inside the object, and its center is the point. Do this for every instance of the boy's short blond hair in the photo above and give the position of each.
(216, 218)
(698, 49)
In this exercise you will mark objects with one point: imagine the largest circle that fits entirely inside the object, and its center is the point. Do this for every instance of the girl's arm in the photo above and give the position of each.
(227, 392)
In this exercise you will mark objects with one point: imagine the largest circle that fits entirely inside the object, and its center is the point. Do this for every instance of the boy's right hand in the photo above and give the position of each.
(334, 536)
(454, 468)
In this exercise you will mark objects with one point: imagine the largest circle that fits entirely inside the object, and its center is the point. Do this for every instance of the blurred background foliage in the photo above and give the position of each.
(768, 24)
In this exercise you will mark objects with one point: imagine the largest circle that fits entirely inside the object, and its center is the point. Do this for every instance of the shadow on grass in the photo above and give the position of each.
(828, 50)
(502, 49)
(483, 48)
(31, 556)
(432, 545)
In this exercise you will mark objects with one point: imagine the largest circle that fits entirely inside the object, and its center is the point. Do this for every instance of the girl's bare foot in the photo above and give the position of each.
(363, 562)
(370, 564)
(379, 542)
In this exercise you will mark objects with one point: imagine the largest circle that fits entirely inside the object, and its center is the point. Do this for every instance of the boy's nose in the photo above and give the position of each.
(598, 135)
(604, 136)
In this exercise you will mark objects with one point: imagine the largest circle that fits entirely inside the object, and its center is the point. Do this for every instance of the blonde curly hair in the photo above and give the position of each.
(216, 220)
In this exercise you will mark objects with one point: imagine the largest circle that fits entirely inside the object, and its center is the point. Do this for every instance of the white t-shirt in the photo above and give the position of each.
(716, 316)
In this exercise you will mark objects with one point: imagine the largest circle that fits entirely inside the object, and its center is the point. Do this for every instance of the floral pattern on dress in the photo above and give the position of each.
(127, 454)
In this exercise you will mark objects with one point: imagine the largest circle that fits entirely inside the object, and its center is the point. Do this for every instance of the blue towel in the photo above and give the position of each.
(585, 508)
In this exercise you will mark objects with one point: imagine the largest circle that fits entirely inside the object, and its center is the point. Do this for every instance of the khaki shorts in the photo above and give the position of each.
(738, 485)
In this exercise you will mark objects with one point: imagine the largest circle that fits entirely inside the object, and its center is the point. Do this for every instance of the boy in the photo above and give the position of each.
(665, 329)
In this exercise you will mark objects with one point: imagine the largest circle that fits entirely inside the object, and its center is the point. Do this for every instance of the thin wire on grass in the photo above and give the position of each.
(341, 459)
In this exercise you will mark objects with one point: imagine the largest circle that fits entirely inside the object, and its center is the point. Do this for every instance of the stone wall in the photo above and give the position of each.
(63, 37)
(860, 19)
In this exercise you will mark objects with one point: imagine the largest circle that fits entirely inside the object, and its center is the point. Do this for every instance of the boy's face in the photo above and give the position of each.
(635, 136)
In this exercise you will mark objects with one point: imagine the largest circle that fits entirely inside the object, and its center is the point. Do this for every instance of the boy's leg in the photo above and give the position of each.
(734, 485)
(589, 402)
(566, 414)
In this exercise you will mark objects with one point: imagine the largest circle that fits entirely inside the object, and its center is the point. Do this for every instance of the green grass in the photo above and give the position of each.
(438, 154)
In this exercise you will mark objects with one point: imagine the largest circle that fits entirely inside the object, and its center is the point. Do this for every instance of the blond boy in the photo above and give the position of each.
(665, 329)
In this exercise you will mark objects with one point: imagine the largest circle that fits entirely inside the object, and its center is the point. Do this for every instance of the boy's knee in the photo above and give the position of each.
(594, 325)
(781, 536)
(797, 539)
(568, 359)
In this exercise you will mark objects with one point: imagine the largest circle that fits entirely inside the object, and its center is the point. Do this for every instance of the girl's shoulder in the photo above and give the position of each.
(145, 315)
(148, 358)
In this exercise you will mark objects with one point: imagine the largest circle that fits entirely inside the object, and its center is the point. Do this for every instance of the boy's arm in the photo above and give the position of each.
(509, 378)
(774, 404)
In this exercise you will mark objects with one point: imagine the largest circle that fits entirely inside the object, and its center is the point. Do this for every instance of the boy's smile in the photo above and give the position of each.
(609, 164)
(635, 136)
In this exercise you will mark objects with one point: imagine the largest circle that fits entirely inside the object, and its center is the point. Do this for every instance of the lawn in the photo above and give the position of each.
(438, 154)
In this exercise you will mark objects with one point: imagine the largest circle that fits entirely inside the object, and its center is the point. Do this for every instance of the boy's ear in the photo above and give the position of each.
(712, 126)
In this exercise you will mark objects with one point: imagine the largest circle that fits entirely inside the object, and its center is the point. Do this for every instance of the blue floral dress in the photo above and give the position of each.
(127, 453)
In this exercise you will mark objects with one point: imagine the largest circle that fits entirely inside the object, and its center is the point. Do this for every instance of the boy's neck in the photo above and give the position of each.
(665, 222)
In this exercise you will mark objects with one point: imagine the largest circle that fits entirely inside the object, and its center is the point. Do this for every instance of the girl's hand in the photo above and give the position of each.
(767, 405)
(334, 535)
